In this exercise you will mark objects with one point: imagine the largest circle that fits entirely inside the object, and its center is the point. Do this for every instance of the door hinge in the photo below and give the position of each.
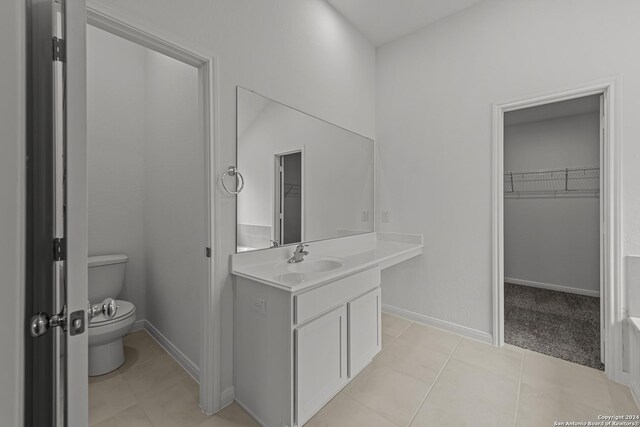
(59, 50)
(59, 249)
(207, 252)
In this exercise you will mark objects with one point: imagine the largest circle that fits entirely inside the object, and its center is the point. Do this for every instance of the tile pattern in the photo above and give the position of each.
(428, 377)
(423, 377)
(559, 324)
(152, 390)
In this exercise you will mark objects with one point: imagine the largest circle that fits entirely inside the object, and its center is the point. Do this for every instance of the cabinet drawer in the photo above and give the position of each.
(322, 299)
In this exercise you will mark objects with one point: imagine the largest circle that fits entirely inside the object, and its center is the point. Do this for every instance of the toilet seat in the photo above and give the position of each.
(125, 310)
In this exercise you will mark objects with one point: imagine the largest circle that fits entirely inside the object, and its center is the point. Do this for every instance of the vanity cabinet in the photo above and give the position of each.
(295, 351)
(365, 335)
(320, 351)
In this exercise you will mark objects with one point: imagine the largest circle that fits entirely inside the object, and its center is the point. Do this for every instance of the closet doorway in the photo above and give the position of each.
(552, 229)
(288, 225)
(555, 263)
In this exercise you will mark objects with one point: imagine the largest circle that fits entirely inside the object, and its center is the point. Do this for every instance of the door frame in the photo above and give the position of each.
(611, 224)
(207, 65)
(76, 209)
(276, 191)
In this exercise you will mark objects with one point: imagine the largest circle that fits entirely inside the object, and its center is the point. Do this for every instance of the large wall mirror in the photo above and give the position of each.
(305, 179)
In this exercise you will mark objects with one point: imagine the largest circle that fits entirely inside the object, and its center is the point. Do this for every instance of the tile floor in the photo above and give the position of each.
(151, 389)
(423, 377)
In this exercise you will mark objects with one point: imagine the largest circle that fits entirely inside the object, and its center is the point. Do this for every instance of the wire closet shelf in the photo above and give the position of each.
(584, 179)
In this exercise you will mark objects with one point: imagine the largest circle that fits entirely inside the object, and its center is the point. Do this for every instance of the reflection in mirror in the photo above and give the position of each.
(305, 179)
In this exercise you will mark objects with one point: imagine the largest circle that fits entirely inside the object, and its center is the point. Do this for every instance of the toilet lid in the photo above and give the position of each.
(125, 309)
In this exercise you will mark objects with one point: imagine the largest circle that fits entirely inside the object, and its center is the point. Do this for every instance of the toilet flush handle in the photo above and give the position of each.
(108, 308)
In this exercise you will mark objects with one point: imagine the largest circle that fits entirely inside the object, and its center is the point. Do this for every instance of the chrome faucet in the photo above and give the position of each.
(298, 254)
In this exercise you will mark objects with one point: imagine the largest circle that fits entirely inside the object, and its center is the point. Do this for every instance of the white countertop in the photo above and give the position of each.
(357, 253)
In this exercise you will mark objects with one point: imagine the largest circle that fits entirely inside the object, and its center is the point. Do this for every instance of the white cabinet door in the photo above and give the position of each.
(320, 362)
(365, 338)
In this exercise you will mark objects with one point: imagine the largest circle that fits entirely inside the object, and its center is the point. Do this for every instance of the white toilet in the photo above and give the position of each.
(106, 349)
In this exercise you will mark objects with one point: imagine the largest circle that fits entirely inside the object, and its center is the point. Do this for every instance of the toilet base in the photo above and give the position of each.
(106, 357)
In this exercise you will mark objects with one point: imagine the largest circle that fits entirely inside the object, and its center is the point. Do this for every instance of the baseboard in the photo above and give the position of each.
(552, 287)
(227, 396)
(138, 325)
(173, 351)
(465, 331)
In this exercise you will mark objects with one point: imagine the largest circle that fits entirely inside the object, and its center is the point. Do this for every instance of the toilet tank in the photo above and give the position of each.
(106, 276)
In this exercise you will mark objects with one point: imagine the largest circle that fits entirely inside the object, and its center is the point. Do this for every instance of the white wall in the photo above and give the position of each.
(553, 239)
(116, 132)
(300, 52)
(12, 152)
(435, 90)
(174, 203)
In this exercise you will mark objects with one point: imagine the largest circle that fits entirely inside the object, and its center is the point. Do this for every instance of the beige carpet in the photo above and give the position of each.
(560, 324)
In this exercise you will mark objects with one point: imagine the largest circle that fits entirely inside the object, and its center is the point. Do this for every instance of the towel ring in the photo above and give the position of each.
(233, 171)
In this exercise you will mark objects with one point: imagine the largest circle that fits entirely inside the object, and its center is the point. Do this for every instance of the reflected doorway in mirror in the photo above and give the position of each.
(289, 173)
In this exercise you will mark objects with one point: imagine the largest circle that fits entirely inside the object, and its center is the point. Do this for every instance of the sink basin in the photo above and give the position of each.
(315, 266)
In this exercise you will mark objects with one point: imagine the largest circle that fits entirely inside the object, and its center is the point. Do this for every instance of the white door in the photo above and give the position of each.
(56, 288)
(364, 330)
(320, 362)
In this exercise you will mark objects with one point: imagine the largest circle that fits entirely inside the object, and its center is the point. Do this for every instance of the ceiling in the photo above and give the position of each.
(382, 21)
(556, 110)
